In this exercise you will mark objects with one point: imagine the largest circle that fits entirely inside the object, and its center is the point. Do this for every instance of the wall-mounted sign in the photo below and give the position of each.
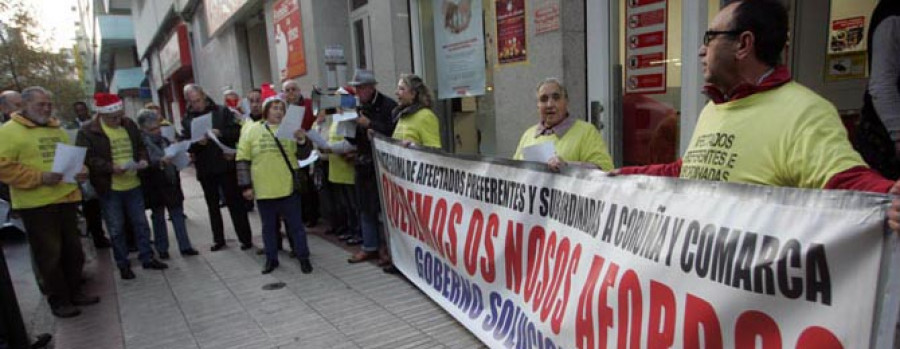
(847, 35)
(459, 47)
(512, 45)
(546, 17)
(169, 56)
(218, 12)
(289, 48)
(645, 46)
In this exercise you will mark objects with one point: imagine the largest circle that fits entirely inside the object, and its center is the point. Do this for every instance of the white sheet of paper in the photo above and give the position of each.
(174, 149)
(317, 139)
(313, 156)
(541, 152)
(69, 160)
(73, 134)
(346, 129)
(342, 147)
(181, 160)
(345, 116)
(199, 127)
(291, 122)
(130, 166)
(168, 132)
(245, 106)
(225, 149)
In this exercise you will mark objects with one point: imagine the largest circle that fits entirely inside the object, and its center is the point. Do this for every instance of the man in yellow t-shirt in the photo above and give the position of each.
(47, 205)
(115, 152)
(760, 127)
(575, 141)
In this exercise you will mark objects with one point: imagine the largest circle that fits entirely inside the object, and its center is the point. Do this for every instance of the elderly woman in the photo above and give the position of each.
(162, 188)
(416, 123)
(575, 141)
(267, 170)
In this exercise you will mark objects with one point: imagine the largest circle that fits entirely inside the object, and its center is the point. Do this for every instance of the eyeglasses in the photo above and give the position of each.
(711, 34)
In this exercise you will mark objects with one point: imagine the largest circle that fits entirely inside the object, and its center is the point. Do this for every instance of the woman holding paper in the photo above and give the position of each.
(267, 171)
(162, 188)
(560, 139)
(416, 123)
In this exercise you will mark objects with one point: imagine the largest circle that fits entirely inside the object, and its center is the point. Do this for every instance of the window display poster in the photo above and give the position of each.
(546, 17)
(645, 46)
(511, 42)
(459, 47)
(847, 35)
(289, 52)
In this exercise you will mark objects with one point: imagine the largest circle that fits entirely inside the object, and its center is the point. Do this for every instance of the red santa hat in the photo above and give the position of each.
(268, 94)
(107, 103)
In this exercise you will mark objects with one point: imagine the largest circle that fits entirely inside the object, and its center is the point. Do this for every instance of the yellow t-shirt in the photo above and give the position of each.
(271, 177)
(122, 153)
(787, 137)
(340, 171)
(421, 128)
(581, 143)
(35, 148)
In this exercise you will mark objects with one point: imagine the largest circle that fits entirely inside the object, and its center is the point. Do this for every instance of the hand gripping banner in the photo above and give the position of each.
(525, 258)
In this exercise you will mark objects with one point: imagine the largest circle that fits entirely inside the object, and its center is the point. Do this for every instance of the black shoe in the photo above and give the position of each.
(345, 237)
(391, 269)
(102, 243)
(353, 241)
(270, 266)
(164, 255)
(217, 247)
(132, 249)
(126, 273)
(41, 341)
(260, 252)
(80, 299)
(246, 246)
(305, 266)
(310, 224)
(65, 311)
(155, 265)
(189, 252)
(292, 254)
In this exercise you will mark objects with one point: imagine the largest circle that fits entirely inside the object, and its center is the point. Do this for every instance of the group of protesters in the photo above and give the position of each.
(782, 133)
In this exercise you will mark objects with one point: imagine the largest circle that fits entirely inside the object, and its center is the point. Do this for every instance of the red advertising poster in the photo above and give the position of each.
(289, 40)
(847, 35)
(511, 42)
(645, 46)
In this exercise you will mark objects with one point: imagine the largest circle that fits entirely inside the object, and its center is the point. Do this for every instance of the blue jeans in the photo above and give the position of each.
(288, 208)
(161, 233)
(114, 204)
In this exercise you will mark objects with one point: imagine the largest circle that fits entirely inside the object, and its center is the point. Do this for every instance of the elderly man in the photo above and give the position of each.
(10, 102)
(47, 205)
(795, 139)
(216, 170)
(374, 116)
(291, 94)
(90, 207)
(115, 152)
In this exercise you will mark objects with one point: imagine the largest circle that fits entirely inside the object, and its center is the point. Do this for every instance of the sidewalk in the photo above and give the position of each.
(217, 300)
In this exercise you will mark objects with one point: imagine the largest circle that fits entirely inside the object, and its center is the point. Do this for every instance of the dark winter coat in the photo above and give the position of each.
(161, 182)
(209, 159)
(99, 153)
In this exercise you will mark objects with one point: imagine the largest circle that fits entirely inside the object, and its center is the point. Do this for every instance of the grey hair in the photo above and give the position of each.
(289, 82)
(6, 94)
(146, 116)
(423, 94)
(29, 93)
(194, 88)
(552, 80)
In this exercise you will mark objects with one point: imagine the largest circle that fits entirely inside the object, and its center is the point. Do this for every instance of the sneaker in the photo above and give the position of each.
(164, 255)
(126, 273)
(155, 265)
(189, 252)
(306, 266)
(217, 247)
(80, 299)
(64, 311)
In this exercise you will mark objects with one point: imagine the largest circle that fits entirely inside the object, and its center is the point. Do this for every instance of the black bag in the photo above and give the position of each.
(295, 177)
(872, 141)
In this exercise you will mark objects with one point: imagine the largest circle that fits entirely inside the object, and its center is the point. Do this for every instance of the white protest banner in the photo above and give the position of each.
(525, 257)
(199, 126)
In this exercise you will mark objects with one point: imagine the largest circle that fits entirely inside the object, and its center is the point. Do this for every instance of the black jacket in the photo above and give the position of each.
(209, 159)
(99, 152)
(160, 182)
(379, 112)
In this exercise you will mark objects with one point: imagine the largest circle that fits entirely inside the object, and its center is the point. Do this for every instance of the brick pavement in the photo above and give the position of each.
(217, 300)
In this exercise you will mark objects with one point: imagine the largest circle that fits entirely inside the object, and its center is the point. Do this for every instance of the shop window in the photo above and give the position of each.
(355, 4)
(361, 44)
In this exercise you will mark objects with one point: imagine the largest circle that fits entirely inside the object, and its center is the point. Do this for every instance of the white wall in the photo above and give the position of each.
(147, 16)
(216, 63)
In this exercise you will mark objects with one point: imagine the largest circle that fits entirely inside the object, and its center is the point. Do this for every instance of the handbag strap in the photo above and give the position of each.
(283, 153)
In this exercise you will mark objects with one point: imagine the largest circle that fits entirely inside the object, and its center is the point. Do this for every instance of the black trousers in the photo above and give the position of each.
(91, 211)
(56, 249)
(237, 207)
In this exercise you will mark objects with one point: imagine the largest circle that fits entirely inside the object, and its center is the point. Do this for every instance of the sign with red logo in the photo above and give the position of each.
(289, 52)
(645, 46)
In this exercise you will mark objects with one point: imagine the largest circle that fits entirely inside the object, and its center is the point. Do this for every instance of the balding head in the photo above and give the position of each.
(195, 97)
(10, 101)
(291, 91)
